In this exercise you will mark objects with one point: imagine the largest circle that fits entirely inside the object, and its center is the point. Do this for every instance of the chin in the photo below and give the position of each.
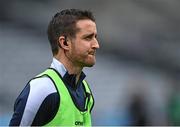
(90, 64)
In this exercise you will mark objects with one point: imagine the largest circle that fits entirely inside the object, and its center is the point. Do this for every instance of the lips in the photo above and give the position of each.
(92, 53)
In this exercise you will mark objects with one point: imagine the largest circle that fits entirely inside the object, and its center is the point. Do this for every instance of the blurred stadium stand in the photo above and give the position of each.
(139, 55)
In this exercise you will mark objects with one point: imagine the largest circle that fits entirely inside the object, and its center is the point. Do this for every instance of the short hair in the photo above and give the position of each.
(64, 24)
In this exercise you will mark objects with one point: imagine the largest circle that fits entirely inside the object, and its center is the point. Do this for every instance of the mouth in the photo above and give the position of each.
(92, 53)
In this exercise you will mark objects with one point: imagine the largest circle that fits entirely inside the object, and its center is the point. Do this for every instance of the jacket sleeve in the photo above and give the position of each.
(32, 105)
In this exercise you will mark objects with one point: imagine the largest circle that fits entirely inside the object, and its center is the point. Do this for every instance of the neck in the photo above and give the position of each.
(69, 65)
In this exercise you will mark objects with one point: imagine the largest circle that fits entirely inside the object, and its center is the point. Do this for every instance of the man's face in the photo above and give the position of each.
(83, 46)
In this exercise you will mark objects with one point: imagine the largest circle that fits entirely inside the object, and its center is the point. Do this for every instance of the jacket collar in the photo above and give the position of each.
(57, 65)
(70, 79)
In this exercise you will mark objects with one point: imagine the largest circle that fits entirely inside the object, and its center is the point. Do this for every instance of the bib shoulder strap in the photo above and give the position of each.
(54, 76)
(86, 87)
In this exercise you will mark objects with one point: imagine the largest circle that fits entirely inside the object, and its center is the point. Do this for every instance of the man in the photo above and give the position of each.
(60, 95)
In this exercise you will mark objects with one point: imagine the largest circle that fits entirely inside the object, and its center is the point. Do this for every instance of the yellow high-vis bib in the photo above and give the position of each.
(68, 114)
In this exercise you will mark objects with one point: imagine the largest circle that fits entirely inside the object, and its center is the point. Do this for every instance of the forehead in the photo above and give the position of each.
(86, 25)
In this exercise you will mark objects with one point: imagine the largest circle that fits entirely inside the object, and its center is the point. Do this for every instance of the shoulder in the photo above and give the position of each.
(45, 84)
(40, 89)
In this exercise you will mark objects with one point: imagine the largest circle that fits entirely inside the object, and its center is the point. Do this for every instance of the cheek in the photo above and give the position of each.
(81, 50)
(76, 53)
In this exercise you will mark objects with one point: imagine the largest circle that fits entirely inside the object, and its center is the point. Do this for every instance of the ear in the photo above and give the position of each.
(63, 43)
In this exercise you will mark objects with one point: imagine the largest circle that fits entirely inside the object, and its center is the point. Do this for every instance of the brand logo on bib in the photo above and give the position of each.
(77, 123)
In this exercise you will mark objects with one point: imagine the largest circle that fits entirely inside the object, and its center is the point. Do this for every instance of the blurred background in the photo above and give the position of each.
(136, 78)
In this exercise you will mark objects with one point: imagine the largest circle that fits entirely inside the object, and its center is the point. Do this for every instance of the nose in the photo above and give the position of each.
(96, 44)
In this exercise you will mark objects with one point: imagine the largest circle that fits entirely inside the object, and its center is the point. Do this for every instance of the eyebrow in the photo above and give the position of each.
(89, 35)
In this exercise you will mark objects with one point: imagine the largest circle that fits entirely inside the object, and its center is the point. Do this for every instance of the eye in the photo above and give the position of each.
(96, 36)
(89, 37)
